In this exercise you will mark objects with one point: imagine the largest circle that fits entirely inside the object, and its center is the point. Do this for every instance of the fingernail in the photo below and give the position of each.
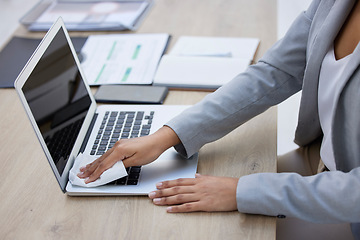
(159, 185)
(156, 200)
(86, 180)
(169, 209)
(152, 194)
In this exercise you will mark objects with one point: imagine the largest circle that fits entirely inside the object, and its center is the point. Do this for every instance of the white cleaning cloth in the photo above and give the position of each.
(115, 172)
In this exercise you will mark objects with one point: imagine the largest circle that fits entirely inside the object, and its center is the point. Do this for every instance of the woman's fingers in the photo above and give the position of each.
(181, 198)
(186, 207)
(177, 182)
(172, 191)
(203, 193)
(176, 199)
(87, 170)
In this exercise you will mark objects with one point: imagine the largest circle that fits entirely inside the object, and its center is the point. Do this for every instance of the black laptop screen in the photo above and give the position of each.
(58, 99)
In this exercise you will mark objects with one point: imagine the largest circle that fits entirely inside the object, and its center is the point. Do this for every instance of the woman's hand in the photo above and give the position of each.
(133, 152)
(203, 193)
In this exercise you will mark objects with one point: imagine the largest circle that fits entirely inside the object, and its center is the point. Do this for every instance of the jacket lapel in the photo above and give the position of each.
(322, 35)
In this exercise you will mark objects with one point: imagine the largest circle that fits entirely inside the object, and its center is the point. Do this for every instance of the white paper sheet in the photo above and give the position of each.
(122, 58)
(216, 46)
(198, 72)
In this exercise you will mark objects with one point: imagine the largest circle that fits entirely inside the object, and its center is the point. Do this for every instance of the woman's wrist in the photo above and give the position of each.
(166, 138)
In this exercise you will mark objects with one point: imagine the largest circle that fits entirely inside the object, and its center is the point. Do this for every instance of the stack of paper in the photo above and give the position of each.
(205, 62)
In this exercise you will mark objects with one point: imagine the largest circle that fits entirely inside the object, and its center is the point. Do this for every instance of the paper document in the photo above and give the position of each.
(205, 62)
(216, 47)
(122, 58)
(198, 72)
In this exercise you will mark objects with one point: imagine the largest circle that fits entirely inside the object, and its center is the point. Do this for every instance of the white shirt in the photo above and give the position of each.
(330, 81)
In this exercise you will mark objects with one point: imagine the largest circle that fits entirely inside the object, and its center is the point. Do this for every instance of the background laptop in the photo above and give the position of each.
(66, 120)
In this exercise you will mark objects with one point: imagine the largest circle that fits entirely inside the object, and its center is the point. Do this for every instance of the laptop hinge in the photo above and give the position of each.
(88, 133)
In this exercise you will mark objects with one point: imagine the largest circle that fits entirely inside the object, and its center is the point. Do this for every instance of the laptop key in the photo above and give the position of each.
(102, 148)
(121, 181)
(139, 115)
(105, 137)
(113, 114)
(107, 133)
(112, 119)
(127, 129)
(135, 169)
(135, 132)
(145, 132)
(134, 176)
(125, 134)
(132, 182)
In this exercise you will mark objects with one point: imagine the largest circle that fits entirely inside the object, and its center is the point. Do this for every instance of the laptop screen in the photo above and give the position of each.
(58, 99)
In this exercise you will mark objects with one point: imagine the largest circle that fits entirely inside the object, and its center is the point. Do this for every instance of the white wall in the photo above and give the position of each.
(10, 13)
(288, 10)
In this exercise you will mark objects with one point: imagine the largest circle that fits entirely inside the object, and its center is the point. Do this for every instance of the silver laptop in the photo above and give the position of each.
(67, 121)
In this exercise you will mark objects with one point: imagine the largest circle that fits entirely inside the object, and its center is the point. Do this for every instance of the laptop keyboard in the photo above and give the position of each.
(131, 179)
(118, 125)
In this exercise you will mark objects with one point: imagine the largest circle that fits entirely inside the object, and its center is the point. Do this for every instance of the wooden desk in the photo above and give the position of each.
(33, 206)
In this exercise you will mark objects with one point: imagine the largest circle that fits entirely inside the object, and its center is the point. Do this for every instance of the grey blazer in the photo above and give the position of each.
(292, 64)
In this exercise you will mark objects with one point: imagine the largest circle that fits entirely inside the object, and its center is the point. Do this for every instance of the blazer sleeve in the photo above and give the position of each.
(274, 78)
(328, 197)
